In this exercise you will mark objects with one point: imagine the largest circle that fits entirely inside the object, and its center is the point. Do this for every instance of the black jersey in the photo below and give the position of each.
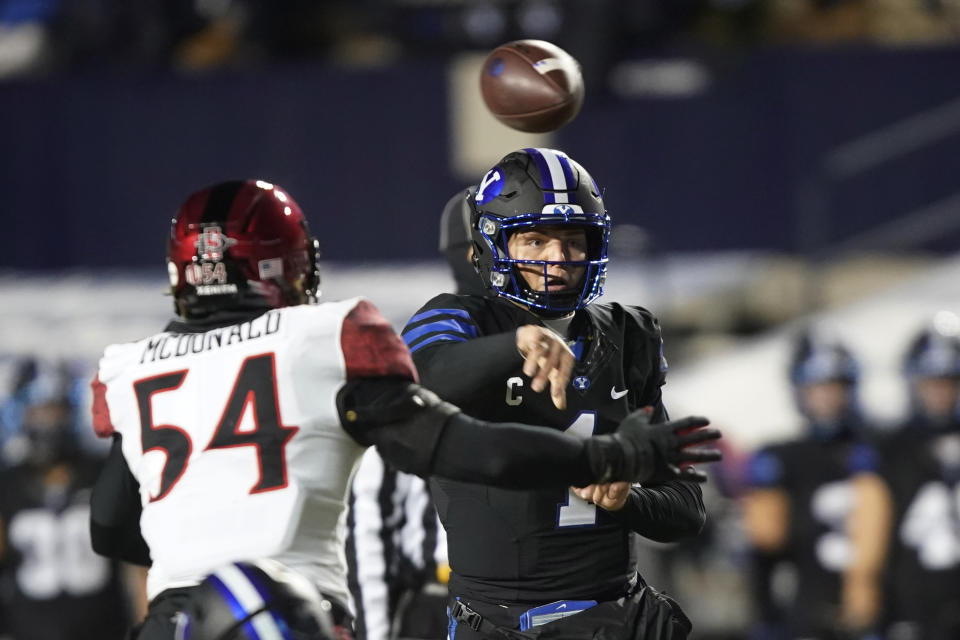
(922, 468)
(539, 546)
(54, 587)
(815, 475)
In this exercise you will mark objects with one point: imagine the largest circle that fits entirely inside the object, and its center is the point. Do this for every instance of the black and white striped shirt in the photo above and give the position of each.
(395, 545)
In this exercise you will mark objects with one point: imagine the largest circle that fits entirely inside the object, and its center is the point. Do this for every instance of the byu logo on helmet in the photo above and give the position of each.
(490, 187)
(565, 210)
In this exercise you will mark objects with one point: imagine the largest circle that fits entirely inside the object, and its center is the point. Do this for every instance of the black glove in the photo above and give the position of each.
(652, 453)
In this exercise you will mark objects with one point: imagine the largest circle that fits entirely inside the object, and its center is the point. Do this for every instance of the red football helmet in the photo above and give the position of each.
(238, 245)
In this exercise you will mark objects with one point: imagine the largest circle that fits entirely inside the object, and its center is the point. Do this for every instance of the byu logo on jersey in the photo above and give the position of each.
(581, 383)
(490, 187)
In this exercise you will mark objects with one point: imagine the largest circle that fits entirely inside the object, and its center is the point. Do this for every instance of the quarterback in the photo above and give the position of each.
(558, 557)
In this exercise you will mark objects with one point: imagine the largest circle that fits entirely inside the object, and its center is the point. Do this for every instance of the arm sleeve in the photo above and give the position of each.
(666, 512)
(510, 455)
(418, 433)
(490, 357)
(115, 512)
(370, 546)
(371, 348)
(99, 410)
(443, 335)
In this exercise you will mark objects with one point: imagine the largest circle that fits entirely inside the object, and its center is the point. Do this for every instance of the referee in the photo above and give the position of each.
(396, 547)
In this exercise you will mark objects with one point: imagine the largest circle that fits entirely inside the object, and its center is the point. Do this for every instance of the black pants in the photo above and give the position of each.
(645, 614)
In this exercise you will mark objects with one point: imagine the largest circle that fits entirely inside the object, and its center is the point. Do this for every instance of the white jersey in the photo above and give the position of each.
(235, 439)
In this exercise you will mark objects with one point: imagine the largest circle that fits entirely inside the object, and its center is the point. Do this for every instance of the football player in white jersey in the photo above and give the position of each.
(236, 429)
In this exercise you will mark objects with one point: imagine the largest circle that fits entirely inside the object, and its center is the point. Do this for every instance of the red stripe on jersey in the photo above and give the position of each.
(371, 348)
(101, 412)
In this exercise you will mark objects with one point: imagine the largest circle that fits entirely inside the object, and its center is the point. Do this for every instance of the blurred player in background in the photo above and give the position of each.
(815, 508)
(236, 429)
(396, 547)
(521, 559)
(921, 463)
(52, 585)
(456, 243)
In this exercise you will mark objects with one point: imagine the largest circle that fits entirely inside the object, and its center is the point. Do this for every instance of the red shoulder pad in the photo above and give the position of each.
(101, 412)
(371, 348)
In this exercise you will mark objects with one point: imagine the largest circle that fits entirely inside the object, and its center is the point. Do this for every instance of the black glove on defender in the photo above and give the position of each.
(652, 453)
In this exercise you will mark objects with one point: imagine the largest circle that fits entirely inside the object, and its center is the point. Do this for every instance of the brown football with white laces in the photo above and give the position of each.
(532, 85)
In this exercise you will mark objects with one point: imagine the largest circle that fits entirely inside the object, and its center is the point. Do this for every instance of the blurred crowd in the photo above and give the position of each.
(850, 530)
(50, 36)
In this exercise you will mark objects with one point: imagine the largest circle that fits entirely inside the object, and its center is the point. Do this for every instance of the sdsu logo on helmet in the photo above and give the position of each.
(212, 243)
(210, 276)
(240, 245)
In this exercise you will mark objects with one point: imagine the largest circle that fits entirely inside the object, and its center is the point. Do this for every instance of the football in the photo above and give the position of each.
(532, 85)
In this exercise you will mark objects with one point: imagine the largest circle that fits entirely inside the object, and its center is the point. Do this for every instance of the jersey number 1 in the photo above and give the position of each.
(256, 385)
(577, 512)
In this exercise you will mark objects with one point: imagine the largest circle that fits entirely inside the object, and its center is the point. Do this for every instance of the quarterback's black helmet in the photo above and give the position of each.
(257, 600)
(530, 188)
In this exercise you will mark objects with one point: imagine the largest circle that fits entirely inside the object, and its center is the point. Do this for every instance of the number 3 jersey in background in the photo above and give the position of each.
(234, 437)
(817, 477)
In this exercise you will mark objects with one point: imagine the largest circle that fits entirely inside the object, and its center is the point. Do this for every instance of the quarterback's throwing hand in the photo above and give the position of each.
(547, 358)
(611, 496)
